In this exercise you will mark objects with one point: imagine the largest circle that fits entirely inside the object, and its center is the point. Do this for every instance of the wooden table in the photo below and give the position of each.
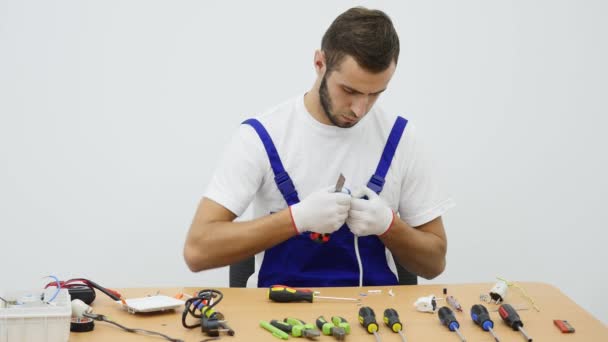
(244, 308)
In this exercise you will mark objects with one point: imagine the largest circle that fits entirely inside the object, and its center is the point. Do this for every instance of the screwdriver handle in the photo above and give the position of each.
(367, 318)
(391, 319)
(481, 317)
(285, 294)
(510, 316)
(447, 318)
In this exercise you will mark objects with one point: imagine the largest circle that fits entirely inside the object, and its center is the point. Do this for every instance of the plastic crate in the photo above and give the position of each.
(36, 321)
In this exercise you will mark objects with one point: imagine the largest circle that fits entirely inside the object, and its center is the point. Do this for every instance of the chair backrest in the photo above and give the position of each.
(240, 272)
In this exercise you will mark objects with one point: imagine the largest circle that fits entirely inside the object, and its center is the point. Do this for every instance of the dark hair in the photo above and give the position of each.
(366, 35)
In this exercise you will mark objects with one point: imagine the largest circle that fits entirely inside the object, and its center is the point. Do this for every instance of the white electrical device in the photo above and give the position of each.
(499, 292)
(151, 304)
(34, 317)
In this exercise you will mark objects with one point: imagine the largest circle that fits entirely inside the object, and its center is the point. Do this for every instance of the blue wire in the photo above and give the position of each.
(58, 285)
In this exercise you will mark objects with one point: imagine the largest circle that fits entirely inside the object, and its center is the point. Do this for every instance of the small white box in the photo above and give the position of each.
(36, 321)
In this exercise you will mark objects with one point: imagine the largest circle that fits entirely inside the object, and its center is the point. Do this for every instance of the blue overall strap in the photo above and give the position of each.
(281, 177)
(376, 183)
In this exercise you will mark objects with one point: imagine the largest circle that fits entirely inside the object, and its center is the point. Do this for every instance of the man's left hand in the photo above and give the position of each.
(370, 216)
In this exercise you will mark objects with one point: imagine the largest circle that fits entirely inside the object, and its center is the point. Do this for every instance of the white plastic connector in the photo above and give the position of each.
(426, 304)
(79, 308)
(499, 292)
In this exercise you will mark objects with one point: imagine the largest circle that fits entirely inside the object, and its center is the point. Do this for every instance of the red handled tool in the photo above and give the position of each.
(324, 238)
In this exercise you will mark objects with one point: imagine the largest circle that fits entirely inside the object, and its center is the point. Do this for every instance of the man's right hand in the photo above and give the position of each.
(323, 211)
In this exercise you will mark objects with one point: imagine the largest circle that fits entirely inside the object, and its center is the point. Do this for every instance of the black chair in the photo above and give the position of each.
(240, 272)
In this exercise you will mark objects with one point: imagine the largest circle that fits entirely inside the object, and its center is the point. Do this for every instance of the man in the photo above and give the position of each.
(287, 159)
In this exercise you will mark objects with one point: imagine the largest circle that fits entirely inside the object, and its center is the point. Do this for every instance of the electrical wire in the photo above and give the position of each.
(131, 330)
(204, 299)
(86, 282)
(359, 260)
(58, 285)
(524, 293)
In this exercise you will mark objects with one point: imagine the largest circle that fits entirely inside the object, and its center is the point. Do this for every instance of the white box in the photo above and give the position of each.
(36, 321)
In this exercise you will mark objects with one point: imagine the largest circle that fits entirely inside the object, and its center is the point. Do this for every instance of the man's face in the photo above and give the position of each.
(348, 92)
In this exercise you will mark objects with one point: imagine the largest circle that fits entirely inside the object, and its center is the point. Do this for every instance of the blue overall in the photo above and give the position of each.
(302, 262)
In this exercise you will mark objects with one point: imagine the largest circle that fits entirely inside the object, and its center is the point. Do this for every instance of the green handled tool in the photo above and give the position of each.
(300, 328)
(329, 328)
(341, 322)
(276, 332)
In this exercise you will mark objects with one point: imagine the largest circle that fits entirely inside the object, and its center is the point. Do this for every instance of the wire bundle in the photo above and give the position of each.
(79, 282)
(202, 304)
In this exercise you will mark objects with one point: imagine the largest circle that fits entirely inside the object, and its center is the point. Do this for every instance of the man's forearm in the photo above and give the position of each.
(221, 243)
(420, 250)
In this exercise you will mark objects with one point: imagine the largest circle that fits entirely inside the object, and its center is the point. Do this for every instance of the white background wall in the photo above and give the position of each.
(113, 114)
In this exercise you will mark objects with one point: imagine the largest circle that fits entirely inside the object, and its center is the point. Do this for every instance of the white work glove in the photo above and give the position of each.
(323, 211)
(370, 216)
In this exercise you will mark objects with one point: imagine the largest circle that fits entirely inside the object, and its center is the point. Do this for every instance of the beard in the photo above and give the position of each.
(325, 100)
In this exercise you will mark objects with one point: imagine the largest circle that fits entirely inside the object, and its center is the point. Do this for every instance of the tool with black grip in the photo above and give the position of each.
(481, 317)
(286, 294)
(367, 318)
(510, 316)
(391, 319)
(447, 318)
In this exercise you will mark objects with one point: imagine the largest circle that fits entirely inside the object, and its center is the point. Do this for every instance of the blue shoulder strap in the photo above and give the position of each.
(281, 177)
(376, 183)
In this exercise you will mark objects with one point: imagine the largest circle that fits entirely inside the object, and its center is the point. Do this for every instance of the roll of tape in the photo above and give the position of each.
(83, 324)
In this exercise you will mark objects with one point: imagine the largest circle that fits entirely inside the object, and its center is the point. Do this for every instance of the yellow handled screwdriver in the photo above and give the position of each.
(391, 319)
(367, 318)
(286, 294)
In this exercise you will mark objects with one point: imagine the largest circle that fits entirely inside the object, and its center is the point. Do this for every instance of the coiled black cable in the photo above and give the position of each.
(194, 306)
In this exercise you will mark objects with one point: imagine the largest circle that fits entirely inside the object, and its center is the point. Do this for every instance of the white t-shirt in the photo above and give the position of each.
(314, 155)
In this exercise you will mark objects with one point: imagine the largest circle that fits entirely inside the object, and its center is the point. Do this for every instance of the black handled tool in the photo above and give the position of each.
(391, 319)
(367, 318)
(447, 318)
(481, 317)
(286, 294)
(510, 316)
